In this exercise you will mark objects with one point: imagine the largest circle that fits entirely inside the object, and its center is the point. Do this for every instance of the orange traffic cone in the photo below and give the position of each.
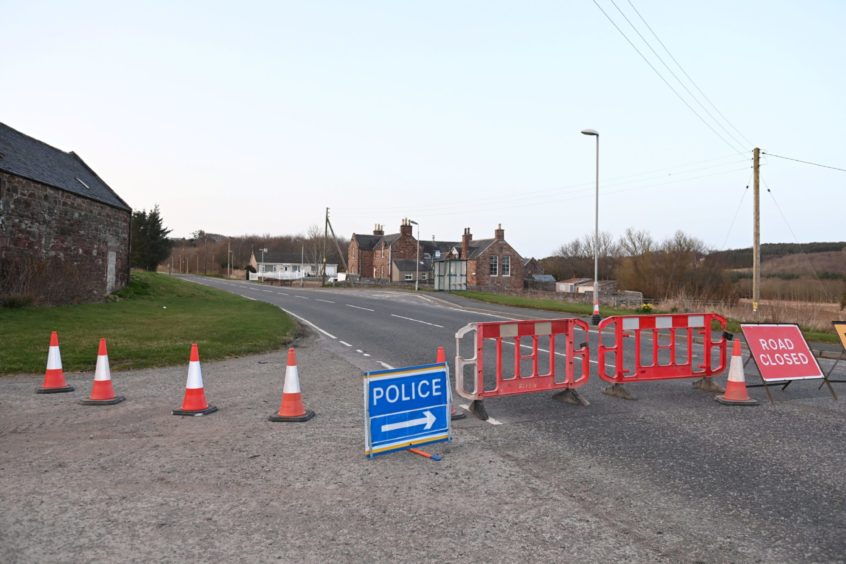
(194, 402)
(54, 377)
(102, 392)
(292, 408)
(454, 414)
(736, 384)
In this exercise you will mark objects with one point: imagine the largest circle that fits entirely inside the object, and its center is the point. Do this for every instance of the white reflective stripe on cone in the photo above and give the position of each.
(102, 372)
(292, 381)
(195, 376)
(54, 359)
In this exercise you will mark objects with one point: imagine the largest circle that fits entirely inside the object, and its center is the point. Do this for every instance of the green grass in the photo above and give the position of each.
(151, 322)
(733, 325)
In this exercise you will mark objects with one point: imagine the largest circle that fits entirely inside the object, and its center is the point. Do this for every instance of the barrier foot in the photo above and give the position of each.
(571, 396)
(477, 408)
(456, 415)
(708, 385)
(618, 391)
(424, 454)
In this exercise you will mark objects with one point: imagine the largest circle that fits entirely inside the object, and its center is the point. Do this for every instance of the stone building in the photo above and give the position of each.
(64, 233)
(492, 263)
(373, 256)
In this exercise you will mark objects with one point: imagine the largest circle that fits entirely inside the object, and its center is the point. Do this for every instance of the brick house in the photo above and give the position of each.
(492, 263)
(373, 256)
(64, 233)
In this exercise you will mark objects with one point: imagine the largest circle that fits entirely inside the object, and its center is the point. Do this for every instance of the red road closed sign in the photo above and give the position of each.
(781, 353)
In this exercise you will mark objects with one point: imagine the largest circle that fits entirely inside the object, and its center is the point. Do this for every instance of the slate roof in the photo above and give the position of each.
(409, 265)
(543, 277)
(478, 246)
(30, 158)
(366, 242)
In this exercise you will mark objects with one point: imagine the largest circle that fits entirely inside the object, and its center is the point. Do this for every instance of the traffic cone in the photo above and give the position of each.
(54, 377)
(102, 392)
(454, 414)
(736, 384)
(194, 402)
(291, 408)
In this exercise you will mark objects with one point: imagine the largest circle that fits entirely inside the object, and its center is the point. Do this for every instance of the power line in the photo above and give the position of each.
(736, 213)
(666, 66)
(670, 86)
(678, 64)
(805, 162)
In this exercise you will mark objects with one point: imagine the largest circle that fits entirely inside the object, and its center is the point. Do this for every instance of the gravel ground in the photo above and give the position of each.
(131, 482)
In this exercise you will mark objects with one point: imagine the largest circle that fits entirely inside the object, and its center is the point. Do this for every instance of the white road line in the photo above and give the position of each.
(346, 344)
(324, 301)
(491, 420)
(282, 293)
(302, 297)
(359, 351)
(386, 365)
(366, 354)
(309, 323)
(248, 297)
(417, 321)
(359, 307)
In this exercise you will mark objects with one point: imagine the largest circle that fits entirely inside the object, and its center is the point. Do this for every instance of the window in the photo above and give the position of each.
(494, 266)
(424, 275)
(506, 266)
(409, 277)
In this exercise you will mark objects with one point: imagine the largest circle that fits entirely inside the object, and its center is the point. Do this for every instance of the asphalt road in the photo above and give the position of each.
(671, 477)
(726, 483)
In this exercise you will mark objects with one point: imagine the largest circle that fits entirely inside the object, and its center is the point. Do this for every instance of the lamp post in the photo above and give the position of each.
(262, 264)
(417, 261)
(596, 317)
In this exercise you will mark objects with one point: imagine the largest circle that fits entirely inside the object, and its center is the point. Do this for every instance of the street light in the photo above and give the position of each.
(595, 319)
(417, 261)
(262, 264)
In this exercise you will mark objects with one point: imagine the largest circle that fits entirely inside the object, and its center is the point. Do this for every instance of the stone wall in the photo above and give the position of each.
(57, 247)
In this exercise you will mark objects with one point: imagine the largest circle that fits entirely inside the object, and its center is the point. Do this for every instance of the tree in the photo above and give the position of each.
(148, 239)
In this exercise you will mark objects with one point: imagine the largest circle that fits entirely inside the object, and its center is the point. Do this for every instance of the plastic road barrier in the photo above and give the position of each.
(550, 363)
(665, 347)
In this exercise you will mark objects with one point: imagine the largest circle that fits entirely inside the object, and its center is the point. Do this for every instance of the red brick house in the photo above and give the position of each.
(492, 263)
(64, 233)
(372, 256)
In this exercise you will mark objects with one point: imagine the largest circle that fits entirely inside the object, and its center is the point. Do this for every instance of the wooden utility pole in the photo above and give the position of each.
(325, 236)
(756, 230)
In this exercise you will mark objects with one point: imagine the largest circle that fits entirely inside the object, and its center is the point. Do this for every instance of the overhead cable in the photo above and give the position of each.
(804, 162)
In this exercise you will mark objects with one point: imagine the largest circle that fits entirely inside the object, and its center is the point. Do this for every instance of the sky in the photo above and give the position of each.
(254, 117)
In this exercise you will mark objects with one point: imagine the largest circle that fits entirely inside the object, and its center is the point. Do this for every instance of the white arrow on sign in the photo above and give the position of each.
(428, 421)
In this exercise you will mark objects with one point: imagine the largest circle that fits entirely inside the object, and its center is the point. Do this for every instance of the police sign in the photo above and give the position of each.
(406, 407)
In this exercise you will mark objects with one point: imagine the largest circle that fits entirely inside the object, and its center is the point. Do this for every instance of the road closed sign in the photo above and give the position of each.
(780, 352)
(406, 407)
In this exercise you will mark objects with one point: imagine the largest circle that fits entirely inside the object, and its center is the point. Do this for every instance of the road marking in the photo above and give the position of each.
(248, 297)
(386, 365)
(307, 322)
(324, 301)
(346, 344)
(417, 321)
(359, 307)
(491, 420)
(302, 297)
(282, 293)
(366, 354)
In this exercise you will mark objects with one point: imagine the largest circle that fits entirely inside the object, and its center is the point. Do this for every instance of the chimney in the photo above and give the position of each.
(465, 243)
(378, 230)
(499, 233)
(405, 228)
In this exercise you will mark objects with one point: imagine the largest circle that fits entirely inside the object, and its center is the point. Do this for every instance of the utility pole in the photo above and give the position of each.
(756, 230)
(229, 258)
(325, 236)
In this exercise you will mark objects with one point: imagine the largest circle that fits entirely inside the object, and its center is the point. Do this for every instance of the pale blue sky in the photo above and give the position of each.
(252, 117)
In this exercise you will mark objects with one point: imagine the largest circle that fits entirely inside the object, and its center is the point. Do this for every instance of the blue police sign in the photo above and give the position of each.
(406, 407)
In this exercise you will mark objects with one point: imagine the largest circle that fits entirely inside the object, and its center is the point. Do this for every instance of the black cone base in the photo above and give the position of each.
(292, 418)
(114, 400)
(54, 390)
(206, 411)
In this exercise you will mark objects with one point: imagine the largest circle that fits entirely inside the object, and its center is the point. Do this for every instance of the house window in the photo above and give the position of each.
(494, 266)
(424, 276)
(506, 266)
(409, 277)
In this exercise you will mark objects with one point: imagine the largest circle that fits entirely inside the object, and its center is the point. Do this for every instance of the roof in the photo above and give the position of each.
(273, 257)
(543, 277)
(410, 265)
(366, 242)
(578, 280)
(30, 158)
(478, 246)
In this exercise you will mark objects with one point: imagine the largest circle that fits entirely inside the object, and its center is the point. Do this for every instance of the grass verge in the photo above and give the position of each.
(152, 322)
(733, 325)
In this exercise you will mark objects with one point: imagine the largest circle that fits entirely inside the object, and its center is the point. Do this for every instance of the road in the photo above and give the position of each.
(766, 479)
(671, 477)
